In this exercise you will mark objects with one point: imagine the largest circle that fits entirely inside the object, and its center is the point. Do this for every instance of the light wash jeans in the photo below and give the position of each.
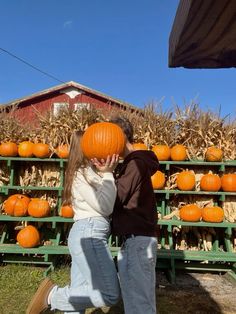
(136, 265)
(94, 280)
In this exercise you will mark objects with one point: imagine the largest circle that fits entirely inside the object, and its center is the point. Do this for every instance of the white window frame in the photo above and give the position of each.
(57, 106)
(82, 105)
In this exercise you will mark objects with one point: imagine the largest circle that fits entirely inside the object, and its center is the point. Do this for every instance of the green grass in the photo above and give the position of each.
(18, 283)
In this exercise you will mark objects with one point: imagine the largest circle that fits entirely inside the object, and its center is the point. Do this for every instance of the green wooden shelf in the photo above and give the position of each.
(29, 218)
(198, 255)
(215, 256)
(60, 160)
(170, 258)
(168, 162)
(4, 188)
(176, 222)
(45, 249)
(42, 250)
(194, 192)
(172, 222)
(200, 163)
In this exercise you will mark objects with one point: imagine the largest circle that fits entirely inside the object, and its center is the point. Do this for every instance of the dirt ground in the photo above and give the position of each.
(193, 293)
(198, 293)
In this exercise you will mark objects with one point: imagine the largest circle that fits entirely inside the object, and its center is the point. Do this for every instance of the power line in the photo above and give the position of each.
(32, 66)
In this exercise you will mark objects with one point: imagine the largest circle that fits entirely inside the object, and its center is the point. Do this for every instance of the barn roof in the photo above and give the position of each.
(67, 85)
(203, 34)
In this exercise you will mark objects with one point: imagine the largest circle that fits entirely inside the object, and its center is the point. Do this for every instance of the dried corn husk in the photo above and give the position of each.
(4, 174)
(229, 207)
(47, 175)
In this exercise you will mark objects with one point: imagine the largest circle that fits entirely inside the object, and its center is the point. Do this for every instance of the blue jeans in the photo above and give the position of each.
(94, 280)
(136, 265)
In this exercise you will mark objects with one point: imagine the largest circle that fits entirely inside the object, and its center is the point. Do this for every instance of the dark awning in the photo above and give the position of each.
(203, 34)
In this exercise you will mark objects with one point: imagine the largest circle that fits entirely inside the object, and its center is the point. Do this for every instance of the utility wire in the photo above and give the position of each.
(32, 66)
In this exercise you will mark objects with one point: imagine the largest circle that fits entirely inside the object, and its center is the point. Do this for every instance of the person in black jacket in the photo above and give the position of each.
(134, 219)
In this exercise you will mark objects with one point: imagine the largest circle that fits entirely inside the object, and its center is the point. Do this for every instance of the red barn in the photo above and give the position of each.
(70, 94)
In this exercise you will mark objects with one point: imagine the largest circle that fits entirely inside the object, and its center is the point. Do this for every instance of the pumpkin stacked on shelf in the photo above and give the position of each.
(66, 211)
(28, 237)
(38, 208)
(20, 205)
(213, 153)
(193, 213)
(158, 180)
(212, 214)
(186, 180)
(25, 149)
(228, 182)
(178, 152)
(140, 146)
(190, 213)
(210, 182)
(62, 151)
(8, 149)
(41, 150)
(16, 205)
(162, 152)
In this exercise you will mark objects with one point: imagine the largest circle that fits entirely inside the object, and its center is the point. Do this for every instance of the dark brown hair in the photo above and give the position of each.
(126, 126)
(76, 160)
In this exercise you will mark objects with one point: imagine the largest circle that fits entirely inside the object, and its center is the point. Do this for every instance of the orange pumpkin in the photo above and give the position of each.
(102, 139)
(190, 212)
(178, 152)
(140, 146)
(228, 182)
(28, 237)
(8, 149)
(25, 149)
(67, 211)
(16, 205)
(38, 208)
(41, 150)
(210, 182)
(162, 152)
(186, 181)
(213, 214)
(158, 180)
(213, 154)
(62, 151)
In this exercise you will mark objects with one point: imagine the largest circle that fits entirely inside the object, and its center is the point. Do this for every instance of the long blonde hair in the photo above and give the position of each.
(76, 160)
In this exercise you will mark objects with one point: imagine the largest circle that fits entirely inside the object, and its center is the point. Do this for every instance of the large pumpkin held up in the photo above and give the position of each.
(102, 139)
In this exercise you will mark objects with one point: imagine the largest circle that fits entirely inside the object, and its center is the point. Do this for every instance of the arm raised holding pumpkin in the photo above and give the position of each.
(107, 165)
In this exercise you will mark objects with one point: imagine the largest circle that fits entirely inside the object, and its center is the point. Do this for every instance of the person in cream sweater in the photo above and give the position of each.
(90, 189)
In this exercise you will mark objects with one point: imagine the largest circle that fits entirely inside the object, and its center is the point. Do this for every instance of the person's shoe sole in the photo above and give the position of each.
(45, 284)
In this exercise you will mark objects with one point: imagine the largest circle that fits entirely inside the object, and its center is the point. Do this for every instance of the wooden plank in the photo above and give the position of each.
(197, 255)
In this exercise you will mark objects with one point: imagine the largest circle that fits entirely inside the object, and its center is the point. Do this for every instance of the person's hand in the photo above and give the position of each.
(106, 165)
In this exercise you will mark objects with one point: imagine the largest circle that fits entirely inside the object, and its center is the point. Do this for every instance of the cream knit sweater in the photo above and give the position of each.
(93, 194)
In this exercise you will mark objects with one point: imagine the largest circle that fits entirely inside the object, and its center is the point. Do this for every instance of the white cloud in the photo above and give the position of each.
(67, 24)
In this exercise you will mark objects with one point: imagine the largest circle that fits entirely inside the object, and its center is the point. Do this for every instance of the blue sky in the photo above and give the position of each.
(119, 48)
